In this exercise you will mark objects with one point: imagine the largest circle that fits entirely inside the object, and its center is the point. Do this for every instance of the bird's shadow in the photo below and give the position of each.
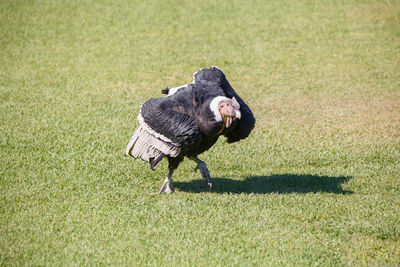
(276, 183)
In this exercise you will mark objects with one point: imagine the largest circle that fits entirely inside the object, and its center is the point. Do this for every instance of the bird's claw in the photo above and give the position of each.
(210, 185)
(167, 187)
(196, 169)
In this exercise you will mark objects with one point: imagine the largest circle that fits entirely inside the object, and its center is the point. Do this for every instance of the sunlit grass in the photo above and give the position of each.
(316, 183)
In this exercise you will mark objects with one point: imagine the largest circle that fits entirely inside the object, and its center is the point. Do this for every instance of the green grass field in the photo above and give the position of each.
(316, 183)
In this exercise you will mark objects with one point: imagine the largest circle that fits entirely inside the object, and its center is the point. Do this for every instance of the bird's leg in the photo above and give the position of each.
(167, 186)
(202, 166)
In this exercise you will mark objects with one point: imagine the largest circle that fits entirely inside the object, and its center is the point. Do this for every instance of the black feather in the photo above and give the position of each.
(161, 115)
(165, 91)
(155, 161)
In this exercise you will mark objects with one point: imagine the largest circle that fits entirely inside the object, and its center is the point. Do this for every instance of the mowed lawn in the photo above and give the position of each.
(316, 183)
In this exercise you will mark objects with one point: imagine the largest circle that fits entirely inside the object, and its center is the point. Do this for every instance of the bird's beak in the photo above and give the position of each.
(228, 122)
(238, 114)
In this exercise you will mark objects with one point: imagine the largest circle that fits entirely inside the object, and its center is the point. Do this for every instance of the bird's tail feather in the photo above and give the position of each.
(144, 144)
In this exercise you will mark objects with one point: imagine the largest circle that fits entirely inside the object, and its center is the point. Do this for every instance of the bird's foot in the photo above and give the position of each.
(167, 186)
(202, 166)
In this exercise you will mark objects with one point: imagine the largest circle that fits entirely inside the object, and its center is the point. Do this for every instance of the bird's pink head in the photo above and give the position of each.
(229, 109)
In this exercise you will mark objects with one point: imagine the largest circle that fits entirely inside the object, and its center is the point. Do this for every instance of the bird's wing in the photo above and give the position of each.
(162, 131)
(246, 124)
(162, 115)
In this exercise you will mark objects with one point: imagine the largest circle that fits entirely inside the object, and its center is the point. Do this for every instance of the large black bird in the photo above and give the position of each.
(188, 122)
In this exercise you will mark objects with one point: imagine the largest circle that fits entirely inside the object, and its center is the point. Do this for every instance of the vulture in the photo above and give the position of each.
(188, 121)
